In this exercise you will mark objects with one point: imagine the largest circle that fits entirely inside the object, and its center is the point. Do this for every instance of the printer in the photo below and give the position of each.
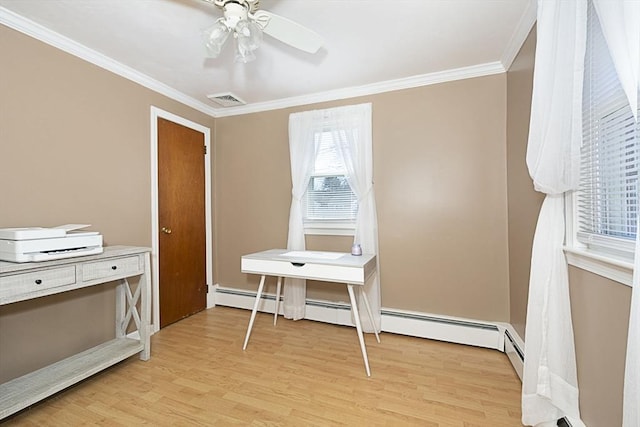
(44, 244)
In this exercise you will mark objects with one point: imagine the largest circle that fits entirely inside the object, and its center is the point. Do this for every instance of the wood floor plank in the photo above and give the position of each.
(300, 373)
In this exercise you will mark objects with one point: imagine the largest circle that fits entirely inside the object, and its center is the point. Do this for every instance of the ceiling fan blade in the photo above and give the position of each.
(289, 32)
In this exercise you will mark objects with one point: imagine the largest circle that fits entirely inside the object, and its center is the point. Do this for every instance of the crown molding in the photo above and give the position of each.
(39, 32)
(375, 88)
(45, 35)
(519, 36)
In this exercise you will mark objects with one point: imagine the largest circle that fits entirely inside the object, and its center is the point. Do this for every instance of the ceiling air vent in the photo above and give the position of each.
(226, 99)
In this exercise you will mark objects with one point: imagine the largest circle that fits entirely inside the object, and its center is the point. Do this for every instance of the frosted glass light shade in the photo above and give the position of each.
(215, 37)
(248, 37)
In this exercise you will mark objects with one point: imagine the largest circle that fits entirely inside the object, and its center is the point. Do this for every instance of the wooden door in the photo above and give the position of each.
(181, 222)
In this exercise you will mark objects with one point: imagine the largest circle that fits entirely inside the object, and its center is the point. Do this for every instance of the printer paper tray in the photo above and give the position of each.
(48, 256)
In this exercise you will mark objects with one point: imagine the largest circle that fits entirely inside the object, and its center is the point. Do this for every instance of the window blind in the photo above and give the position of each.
(608, 193)
(329, 196)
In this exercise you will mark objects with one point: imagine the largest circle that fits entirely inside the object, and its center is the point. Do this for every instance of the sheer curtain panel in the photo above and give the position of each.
(550, 386)
(352, 131)
(620, 23)
(302, 150)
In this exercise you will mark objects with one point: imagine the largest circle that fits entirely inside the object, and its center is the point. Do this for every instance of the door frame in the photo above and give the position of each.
(157, 113)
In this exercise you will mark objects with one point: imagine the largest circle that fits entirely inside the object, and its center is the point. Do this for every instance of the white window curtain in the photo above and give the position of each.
(302, 151)
(620, 23)
(550, 387)
(351, 128)
(352, 133)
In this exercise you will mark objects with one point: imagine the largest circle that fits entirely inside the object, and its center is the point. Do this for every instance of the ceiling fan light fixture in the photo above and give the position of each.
(244, 56)
(215, 37)
(247, 24)
(248, 36)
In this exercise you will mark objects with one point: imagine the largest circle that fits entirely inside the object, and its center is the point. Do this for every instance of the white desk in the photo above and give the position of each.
(25, 281)
(325, 266)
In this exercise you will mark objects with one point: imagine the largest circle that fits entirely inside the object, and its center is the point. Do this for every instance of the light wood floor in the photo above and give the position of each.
(295, 374)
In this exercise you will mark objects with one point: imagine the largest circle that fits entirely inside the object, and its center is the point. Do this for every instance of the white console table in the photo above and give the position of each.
(325, 266)
(25, 281)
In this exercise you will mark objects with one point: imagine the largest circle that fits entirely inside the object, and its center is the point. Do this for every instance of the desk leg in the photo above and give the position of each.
(368, 307)
(275, 313)
(253, 313)
(356, 316)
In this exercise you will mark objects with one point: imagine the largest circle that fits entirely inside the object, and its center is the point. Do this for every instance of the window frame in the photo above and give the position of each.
(612, 265)
(607, 256)
(327, 227)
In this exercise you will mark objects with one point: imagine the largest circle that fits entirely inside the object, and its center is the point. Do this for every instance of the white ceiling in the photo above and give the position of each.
(369, 45)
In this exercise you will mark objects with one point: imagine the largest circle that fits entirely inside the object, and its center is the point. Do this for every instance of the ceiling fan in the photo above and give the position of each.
(243, 20)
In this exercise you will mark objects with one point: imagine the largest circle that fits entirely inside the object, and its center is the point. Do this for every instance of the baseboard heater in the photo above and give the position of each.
(513, 350)
(460, 331)
(445, 321)
(442, 328)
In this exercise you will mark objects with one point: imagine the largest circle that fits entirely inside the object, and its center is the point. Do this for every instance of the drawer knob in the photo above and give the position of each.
(38, 281)
(114, 267)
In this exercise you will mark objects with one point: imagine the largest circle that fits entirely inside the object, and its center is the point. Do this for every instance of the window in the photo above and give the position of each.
(607, 200)
(329, 205)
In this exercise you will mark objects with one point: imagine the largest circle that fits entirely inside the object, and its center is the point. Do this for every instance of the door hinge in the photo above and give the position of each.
(205, 149)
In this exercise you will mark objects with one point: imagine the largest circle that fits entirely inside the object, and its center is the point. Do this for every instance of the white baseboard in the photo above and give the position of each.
(211, 296)
(494, 335)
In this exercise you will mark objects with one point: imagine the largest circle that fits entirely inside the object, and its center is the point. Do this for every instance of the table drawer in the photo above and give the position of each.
(120, 267)
(326, 272)
(18, 284)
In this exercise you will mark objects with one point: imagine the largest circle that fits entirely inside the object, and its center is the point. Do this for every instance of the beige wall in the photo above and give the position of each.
(74, 148)
(600, 307)
(600, 311)
(440, 180)
(524, 201)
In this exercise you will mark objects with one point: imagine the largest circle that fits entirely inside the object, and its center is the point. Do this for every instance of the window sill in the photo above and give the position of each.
(329, 231)
(616, 269)
(330, 228)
